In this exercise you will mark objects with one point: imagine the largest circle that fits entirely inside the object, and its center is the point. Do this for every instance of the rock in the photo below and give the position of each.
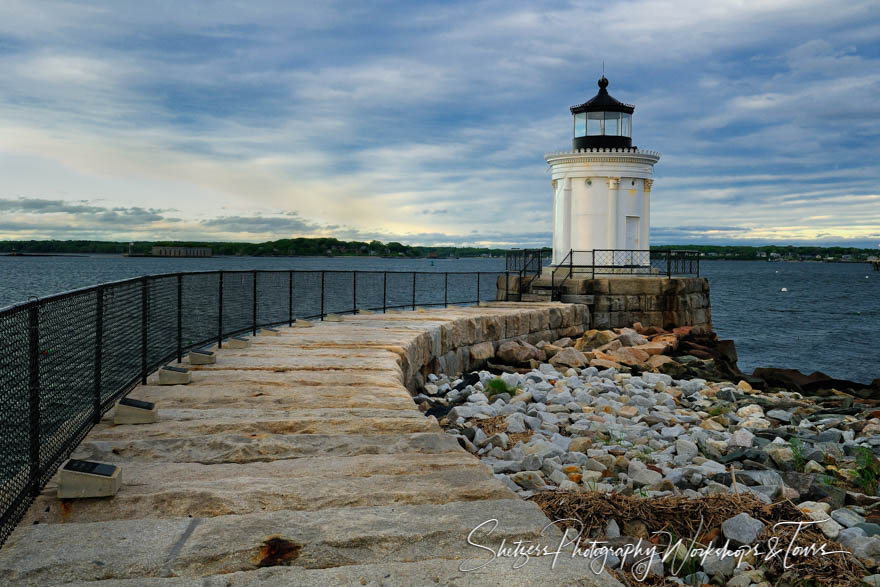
(567, 485)
(744, 385)
(516, 423)
(628, 411)
(866, 548)
(563, 342)
(711, 424)
(717, 566)
(742, 529)
(580, 444)
(500, 440)
(630, 356)
(516, 351)
(814, 467)
(482, 351)
(869, 528)
(612, 530)
(641, 475)
(697, 579)
(846, 517)
(781, 455)
(686, 448)
(569, 357)
(820, 512)
(529, 480)
(750, 410)
(872, 580)
(631, 338)
(636, 529)
(780, 415)
(741, 438)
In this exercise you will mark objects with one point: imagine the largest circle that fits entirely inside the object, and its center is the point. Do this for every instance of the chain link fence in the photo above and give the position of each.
(66, 359)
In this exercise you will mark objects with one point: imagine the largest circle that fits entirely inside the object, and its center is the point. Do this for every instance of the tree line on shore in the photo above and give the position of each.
(336, 247)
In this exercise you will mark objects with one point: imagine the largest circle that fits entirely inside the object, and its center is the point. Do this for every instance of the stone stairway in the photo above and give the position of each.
(301, 460)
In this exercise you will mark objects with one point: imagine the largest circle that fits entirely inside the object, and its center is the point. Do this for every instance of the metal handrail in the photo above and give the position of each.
(627, 262)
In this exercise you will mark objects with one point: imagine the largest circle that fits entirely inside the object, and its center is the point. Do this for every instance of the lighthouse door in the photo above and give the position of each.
(632, 232)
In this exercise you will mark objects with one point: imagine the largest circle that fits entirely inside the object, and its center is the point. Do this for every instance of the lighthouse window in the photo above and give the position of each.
(580, 124)
(612, 122)
(625, 125)
(595, 123)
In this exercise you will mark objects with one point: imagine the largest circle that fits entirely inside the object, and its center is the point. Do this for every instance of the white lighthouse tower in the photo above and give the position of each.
(602, 187)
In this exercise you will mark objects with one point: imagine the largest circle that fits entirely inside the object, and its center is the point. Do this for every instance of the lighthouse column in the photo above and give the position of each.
(562, 219)
(613, 220)
(645, 237)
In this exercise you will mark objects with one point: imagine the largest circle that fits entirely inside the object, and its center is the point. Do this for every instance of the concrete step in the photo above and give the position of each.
(247, 422)
(196, 547)
(176, 490)
(268, 395)
(548, 570)
(260, 447)
(535, 297)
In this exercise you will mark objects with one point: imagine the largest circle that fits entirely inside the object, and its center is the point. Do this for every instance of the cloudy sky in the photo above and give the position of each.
(427, 123)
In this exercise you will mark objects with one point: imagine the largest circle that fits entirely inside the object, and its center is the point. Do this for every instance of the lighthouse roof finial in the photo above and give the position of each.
(603, 102)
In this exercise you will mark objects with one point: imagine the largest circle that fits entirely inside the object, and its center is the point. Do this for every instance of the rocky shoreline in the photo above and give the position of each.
(642, 414)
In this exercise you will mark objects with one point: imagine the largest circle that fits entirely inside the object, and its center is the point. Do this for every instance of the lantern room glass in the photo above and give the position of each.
(595, 124)
(580, 124)
(625, 124)
(612, 124)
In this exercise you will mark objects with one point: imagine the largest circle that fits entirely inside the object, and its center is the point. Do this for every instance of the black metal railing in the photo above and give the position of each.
(528, 263)
(66, 359)
(623, 262)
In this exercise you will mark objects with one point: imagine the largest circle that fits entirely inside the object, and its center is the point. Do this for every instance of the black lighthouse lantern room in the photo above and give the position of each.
(602, 122)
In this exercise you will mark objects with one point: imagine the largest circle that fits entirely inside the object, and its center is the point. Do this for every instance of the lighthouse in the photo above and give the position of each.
(602, 186)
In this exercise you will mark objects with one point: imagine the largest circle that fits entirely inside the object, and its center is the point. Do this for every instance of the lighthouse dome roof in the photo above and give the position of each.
(603, 102)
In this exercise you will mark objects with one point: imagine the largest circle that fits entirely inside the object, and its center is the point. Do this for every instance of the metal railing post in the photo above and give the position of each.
(506, 286)
(384, 292)
(446, 290)
(668, 264)
(144, 309)
(414, 291)
(179, 318)
(322, 296)
(99, 350)
(254, 312)
(220, 313)
(34, 397)
(290, 299)
(478, 288)
(354, 295)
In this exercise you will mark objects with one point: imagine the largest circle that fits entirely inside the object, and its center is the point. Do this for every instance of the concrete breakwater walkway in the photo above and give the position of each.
(303, 460)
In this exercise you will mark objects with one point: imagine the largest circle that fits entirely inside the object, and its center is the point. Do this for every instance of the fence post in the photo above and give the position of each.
(322, 295)
(99, 350)
(254, 313)
(478, 288)
(220, 313)
(34, 396)
(354, 307)
(144, 308)
(668, 264)
(179, 317)
(506, 286)
(384, 292)
(414, 290)
(290, 299)
(446, 290)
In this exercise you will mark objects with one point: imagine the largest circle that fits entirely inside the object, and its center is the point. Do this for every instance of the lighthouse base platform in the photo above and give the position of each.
(617, 301)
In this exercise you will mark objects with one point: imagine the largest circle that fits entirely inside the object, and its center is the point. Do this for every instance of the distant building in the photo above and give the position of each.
(181, 251)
